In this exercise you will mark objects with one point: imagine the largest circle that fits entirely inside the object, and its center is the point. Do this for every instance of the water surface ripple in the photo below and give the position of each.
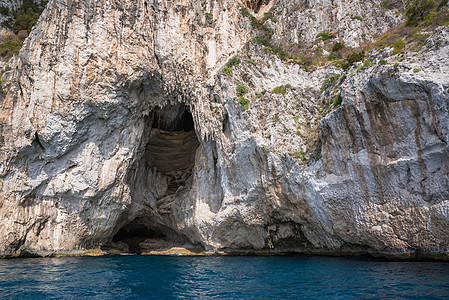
(227, 277)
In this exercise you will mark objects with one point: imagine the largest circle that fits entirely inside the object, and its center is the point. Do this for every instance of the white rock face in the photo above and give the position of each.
(352, 22)
(97, 145)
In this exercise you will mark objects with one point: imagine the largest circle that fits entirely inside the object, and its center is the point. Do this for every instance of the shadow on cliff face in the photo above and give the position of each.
(162, 183)
(257, 5)
(172, 145)
(141, 235)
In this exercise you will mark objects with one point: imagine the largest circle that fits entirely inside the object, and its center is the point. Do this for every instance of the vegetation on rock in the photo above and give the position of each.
(281, 90)
(337, 100)
(357, 18)
(353, 58)
(417, 10)
(241, 90)
(10, 47)
(233, 62)
(338, 46)
(329, 81)
(323, 35)
(226, 70)
(244, 102)
(20, 21)
(423, 16)
(25, 17)
(398, 46)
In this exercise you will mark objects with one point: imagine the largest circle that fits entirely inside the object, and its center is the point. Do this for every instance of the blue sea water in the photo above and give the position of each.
(223, 277)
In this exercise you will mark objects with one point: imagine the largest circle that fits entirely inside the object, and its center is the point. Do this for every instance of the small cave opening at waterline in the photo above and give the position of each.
(142, 235)
(169, 158)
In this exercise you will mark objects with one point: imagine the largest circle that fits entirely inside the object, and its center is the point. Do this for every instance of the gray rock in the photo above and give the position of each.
(97, 140)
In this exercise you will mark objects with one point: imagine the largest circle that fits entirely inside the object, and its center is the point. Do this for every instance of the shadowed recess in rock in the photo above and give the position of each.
(142, 235)
(172, 145)
(256, 5)
(173, 118)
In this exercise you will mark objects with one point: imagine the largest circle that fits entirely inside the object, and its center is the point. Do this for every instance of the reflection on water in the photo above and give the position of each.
(146, 277)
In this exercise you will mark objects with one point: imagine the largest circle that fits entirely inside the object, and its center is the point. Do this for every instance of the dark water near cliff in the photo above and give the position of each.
(289, 277)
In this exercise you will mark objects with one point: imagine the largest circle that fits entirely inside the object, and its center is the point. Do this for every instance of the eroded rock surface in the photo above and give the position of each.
(120, 132)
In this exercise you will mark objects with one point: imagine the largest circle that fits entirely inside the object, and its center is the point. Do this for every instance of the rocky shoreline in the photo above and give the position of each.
(411, 256)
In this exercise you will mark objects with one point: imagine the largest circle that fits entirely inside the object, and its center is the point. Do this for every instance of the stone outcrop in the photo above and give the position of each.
(120, 132)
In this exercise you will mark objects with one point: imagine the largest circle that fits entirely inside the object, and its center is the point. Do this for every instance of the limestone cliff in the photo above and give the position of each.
(120, 130)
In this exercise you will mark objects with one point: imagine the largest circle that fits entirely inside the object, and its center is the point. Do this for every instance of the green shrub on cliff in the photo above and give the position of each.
(25, 20)
(337, 100)
(9, 48)
(263, 41)
(280, 90)
(353, 58)
(226, 70)
(241, 90)
(255, 23)
(323, 35)
(417, 10)
(301, 155)
(25, 17)
(442, 4)
(2, 82)
(244, 102)
(233, 62)
(338, 46)
(329, 81)
(245, 12)
(398, 46)
(4, 10)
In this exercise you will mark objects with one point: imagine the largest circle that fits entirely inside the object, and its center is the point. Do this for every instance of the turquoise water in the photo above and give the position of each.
(163, 277)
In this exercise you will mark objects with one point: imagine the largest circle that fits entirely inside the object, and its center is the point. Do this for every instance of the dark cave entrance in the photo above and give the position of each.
(172, 145)
(170, 150)
(173, 118)
(136, 233)
(143, 235)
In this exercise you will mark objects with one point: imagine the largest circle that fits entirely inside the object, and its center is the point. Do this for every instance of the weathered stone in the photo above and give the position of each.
(120, 132)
